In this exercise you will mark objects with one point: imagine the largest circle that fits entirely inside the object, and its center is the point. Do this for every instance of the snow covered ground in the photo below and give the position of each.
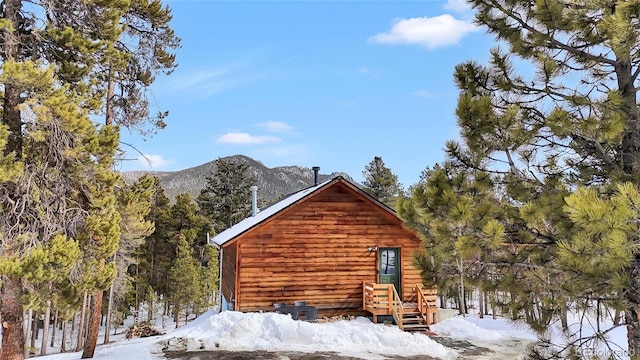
(235, 331)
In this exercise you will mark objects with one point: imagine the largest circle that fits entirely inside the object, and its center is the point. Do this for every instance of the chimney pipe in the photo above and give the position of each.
(254, 200)
(315, 175)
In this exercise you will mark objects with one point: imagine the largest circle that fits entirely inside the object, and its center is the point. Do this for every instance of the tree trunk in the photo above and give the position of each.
(11, 107)
(598, 314)
(564, 317)
(63, 343)
(27, 331)
(485, 299)
(461, 305)
(73, 328)
(83, 314)
(633, 332)
(150, 307)
(45, 329)
(481, 304)
(53, 332)
(94, 325)
(176, 312)
(11, 313)
(107, 326)
(34, 329)
(109, 116)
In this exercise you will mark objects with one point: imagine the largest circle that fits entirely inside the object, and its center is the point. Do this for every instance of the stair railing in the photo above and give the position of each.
(427, 304)
(377, 299)
(398, 308)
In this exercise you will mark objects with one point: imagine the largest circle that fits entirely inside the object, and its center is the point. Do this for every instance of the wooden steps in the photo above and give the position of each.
(383, 299)
(412, 320)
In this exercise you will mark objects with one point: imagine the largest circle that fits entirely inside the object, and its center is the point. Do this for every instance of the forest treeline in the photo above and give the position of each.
(164, 263)
(536, 205)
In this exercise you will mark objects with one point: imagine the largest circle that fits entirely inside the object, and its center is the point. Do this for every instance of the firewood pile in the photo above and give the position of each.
(335, 318)
(141, 330)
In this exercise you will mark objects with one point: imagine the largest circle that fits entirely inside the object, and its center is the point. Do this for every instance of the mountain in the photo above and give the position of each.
(273, 183)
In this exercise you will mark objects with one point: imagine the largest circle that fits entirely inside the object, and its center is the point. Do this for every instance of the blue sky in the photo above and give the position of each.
(312, 83)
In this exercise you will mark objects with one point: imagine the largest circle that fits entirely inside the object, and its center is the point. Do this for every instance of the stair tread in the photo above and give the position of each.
(414, 327)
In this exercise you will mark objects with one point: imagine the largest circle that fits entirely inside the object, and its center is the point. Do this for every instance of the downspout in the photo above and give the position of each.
(220, 250)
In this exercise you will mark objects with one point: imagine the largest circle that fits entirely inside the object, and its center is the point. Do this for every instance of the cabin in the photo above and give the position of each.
(332, 246)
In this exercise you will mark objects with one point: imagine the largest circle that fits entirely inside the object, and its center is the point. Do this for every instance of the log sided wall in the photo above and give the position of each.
(317, 251)
(229, 256)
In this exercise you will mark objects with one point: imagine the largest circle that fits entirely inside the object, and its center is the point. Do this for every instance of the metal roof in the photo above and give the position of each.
(265, 214)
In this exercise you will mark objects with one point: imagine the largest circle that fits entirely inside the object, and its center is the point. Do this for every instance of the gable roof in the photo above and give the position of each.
(252, 221)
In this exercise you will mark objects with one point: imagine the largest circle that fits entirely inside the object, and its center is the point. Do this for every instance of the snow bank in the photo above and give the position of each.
(487, 329)
(235, 331)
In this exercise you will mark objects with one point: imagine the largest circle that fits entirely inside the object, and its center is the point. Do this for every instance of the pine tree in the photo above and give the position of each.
(227, 196)
(184, 278)
(146, 52)
(53, 62)
(568, 119)
(603, 242)
(210, 272)
(381, 183)
(61, 142)
(153, 274)
(101, 234)
(154, 256)
(189, 249)
(456, 213)
(134, 204)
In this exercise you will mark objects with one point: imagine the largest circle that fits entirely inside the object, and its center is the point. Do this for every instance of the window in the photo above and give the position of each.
(388, 262)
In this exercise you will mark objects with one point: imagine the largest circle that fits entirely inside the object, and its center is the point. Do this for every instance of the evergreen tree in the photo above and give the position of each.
(54, 58)
(381, 183)
(569, 119)
(154, 256)
(44, 191)
(101, 233)
(188, 242)
(144, 50)
(134, 204)
(457, 215)
(154, 273)
(210, 272)
(185, 288)
(227, 196)
(187, 220)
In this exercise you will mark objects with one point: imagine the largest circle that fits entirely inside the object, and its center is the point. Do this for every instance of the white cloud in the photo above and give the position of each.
(423, 93)
(367, 71)
(275, 126)
(459, 6)
(155, 162)
(240, 138)
(285, 151)
(429, 32)
(203, 83)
